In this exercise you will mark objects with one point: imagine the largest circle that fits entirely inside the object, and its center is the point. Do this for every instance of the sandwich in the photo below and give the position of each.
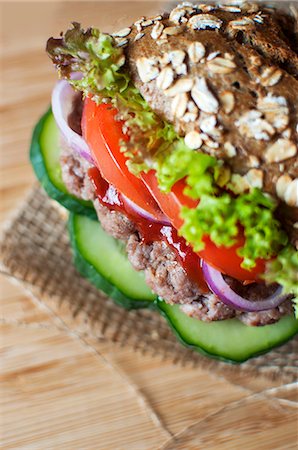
(173, 144)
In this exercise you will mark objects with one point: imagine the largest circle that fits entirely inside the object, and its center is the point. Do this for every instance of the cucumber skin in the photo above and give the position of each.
(68, 201)
(212, 355)
(88, 271)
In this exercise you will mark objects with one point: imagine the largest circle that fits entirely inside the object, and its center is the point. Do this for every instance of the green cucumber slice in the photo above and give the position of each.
(103, 260)
(228, 340)
(44, 157)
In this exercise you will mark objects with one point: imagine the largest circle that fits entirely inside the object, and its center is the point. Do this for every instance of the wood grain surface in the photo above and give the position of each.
(60, 390)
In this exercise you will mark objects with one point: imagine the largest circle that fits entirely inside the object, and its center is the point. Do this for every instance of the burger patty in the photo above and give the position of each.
(163, 272)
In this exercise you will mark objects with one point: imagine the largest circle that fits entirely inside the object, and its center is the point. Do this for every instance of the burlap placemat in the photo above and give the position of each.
(35, 250)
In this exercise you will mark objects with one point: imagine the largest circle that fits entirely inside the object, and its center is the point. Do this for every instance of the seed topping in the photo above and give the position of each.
(157, 30)
(227, 100)
(281, 150)
(179, 105)
(122, 33)
(203, 21)
(165, 78)
(196, 51)
(275, 110)
(270, 76)
(203, 97)
(181, 85)
(221, 65)
(252, 125)
(193, 140)
(147, 69)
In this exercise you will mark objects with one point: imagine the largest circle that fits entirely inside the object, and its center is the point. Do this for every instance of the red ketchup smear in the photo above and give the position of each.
(150, 231)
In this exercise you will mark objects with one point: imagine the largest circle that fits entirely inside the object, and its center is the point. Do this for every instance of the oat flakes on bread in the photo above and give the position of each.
(231, 89)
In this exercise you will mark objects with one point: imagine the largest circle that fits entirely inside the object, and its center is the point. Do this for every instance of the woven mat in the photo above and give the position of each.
(35, 250)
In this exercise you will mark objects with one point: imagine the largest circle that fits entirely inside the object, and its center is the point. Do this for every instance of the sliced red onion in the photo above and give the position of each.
(143, 213)
(62, 104)
(225, 293)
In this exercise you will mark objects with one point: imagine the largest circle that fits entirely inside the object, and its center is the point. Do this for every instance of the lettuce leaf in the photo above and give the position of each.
(94, 56)
(220, 217)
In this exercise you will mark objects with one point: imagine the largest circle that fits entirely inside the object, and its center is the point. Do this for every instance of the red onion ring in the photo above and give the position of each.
(62, 103)
(225, 293)
(143, 213)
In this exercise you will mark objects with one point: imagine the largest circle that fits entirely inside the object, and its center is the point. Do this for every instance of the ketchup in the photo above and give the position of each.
(150, 230)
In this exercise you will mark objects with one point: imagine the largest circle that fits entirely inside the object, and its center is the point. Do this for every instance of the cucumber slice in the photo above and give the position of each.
(103, 260)
(228, 340)
(44, 157)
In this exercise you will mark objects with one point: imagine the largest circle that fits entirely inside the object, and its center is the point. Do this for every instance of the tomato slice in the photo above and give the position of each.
(222, 258)
(103, 133)
(170, 203)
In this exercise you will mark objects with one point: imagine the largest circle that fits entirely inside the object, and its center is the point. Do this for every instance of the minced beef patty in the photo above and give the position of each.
(163, 272)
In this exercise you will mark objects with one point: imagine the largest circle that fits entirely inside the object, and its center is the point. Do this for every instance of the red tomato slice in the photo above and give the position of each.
(222, 258)
(103, 133)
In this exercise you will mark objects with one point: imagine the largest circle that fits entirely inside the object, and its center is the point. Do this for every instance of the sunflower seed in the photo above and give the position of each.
(138, 24)
(221, 65)
(241, 24)
(147, 23)
(227, 99)
(182, 85)
(181, 70)
(203, 97)
(121, 42)
(179, 105)
(203, 21)
(196, 51)
(229, 149)
(275, 110)
(212, 55)
(164, 60)
(281, 150)
(208, 124)
(291, 194)
(270, 76)
(165, 78)
(206, 8)
(252, 125)
(176, 57)
(282, 185)
(191, 107)
(190, 117)
(258, 18)
(254, 177)
(147, 69)
(230, 8)
(238, 183)
(193, 140)
(122, 33)
(177, 14)
(157, 30)
(172, 31)
(138, 36)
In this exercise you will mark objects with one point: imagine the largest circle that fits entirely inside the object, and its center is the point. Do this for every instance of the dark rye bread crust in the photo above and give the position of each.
(251, 84)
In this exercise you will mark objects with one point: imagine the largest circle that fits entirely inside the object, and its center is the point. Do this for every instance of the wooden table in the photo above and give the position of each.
(62, 391)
